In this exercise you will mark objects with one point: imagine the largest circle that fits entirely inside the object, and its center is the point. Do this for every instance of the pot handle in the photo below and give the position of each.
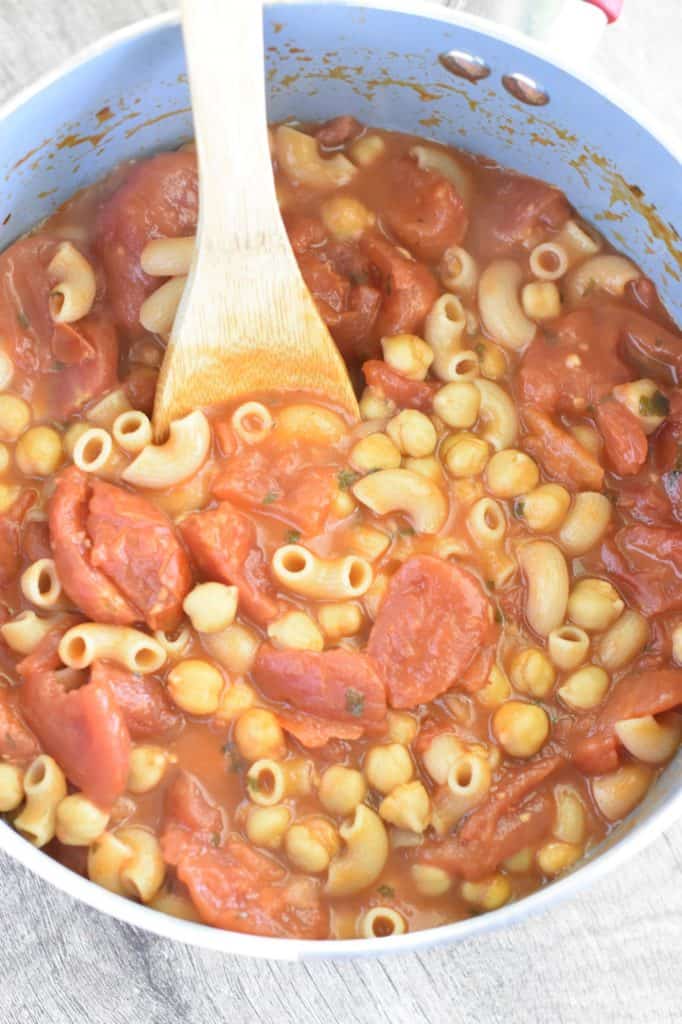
(572, 27)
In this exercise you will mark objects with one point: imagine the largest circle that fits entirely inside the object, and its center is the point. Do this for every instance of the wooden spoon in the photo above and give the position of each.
(247, 322)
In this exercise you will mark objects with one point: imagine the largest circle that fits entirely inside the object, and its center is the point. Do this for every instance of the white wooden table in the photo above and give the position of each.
(613, 955)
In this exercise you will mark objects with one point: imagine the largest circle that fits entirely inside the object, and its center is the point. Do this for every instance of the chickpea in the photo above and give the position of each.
(555, 857)
(375, 451)
(388, 766)
(521, 729)
(266, 826)
(15, 416)
(464, 454)
(195, 686)
(510, 473)
(594, 604)
(457, 404)
(532, 672)
(311, 843)
(258, 734)
(407, 354)
(346, 218)
(147, 765)
(341, 790)
(489, 894)
(39, 451)
(413, 433)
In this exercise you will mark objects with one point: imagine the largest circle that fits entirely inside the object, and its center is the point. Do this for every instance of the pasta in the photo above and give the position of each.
(73, 293)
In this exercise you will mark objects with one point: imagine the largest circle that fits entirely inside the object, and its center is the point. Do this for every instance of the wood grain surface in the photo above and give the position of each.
(613, 955)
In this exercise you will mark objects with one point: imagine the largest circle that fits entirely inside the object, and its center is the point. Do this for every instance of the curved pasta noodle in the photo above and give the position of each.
(498, 415)
(73, 296)
(45, 788)
(91, 641)
(158, 311)
(380, 922)
(300, 160)
(132, 431)
(548, 261)
(649, 739)
(443, 329)
(182, 455)
(607, 272)
(586, 523)
(24, 632)
(364, 856)
(431, 159)
(321, 579)
(486, 522)
(168, 257)
(458, 271)
(544, 567)
(40, 584)
(252, 422)
(402, 490)
(501, 311)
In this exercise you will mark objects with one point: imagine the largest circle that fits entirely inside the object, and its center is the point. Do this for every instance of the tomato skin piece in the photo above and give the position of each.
(87, 587)
(143, 701)
(408, 394)
(191, 819)
(35, 540)
(158, 199)
(514, 813)
(243, 890)
(93, 374)
(562, 457)
(223, 543)
(10, 531)
(646, 561)
(83, 729)
(335, 684)
(509, 208)
(135, 546)
(314, 732)
(433, 620)
(408, 289)
(591, 740)
(424, 210)
(338, 131)
(624, 440)
(282, 481)
(116, 554)
(17, 742)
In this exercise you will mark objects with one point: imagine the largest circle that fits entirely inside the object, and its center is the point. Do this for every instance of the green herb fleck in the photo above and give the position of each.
(654, 405)
(23, 320)
(270, 497)
(480, 350)
(406, 531)
(215, 839)
(386, 891)
(355, 702)
(293, 536)
(518, 508)
(347, 478)
(235, 761)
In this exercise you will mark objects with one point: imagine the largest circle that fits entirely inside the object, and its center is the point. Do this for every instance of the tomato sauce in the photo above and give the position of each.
(478, 748)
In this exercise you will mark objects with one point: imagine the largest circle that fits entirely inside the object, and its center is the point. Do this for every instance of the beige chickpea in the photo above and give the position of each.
(5, 458)
(267, 826)
(296, 631)
(594, 604)
(555, 857)
(519, 863)
(39, 451)
(488, 894)
(343, 504)
(402, 727)
(234, 648)
(407, 806)
(543, 509)
(341, 790)
(457, 404)
(541, 300)
(79, 821)
(340, 620)
(430, 880)
(374, 406)
(236, 698)
(311, 843)
(584, 688)
(367, 150)
(510, 473)
(346, 218)
(407, 354)
(195, 686)
(211, 607)
(496, 690)
(147, 766)
(521, 729)
(15, 416)
(387, 766)
(491, 359)
(11, 787)
(258, 734)
(375, 451)
(427, 466)
(413, 433)
(532, 672)
(464, 454)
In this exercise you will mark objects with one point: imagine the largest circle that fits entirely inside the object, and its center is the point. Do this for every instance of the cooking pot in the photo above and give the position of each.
(415, 68)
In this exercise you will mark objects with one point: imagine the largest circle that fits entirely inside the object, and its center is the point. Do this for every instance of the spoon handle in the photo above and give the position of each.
(225, 58)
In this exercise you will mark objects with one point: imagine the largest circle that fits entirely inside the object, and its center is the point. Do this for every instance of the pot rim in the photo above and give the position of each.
(637, 835)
